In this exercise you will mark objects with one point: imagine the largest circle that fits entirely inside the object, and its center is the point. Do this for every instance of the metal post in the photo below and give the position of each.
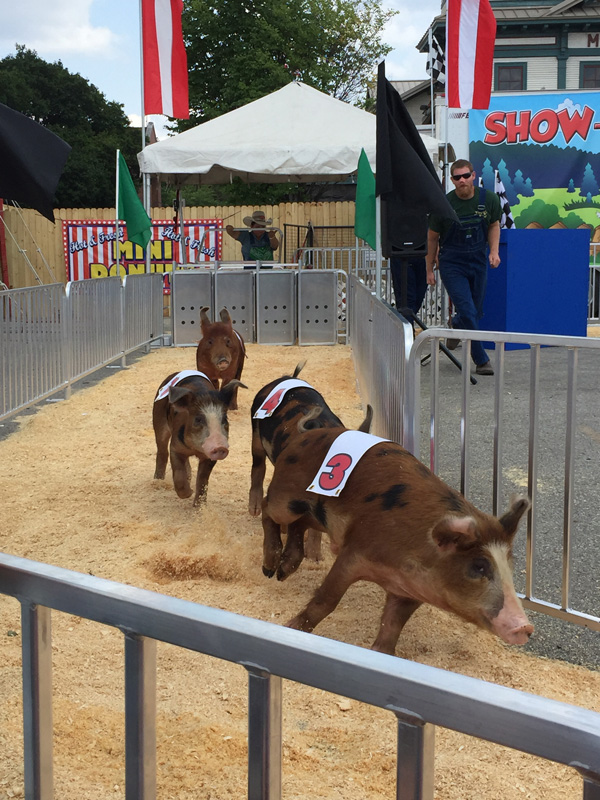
(414, 773)
(264, 735)
(37, 701)
(140, 718)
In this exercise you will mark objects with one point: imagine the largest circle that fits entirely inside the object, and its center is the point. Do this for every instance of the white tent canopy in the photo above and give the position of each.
(296, 134)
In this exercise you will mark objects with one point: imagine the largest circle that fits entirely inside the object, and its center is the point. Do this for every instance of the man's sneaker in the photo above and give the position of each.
(452, 344)
(484, 369)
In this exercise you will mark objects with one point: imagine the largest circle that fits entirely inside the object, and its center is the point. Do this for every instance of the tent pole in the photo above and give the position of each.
(378, 247)
(117, 249)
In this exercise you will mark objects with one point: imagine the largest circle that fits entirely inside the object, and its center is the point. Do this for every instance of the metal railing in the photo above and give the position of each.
(51, 336)
(419, 696)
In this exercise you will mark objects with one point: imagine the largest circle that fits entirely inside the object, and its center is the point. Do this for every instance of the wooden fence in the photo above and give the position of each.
(42, 242)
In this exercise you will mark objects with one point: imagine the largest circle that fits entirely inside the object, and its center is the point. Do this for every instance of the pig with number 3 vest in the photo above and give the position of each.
(190, 419)
(393, 522)
(276, 411)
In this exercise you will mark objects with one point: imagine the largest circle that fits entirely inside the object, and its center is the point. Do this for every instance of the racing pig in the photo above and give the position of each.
(220, 353)
(272, 431)
(190, 419)
(396, 524)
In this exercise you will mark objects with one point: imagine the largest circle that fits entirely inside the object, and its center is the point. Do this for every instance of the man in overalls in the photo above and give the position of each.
(461, 251)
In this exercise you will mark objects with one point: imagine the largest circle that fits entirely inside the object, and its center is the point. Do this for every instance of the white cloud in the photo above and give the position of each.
(55, 28)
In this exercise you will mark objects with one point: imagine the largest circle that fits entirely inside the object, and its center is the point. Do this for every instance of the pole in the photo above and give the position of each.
(378, 247)
(146, 189)
(117, 249)
(430, 45)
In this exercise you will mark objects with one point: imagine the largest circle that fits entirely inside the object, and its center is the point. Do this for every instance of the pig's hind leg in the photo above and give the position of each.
(257, 475)
(340, 577)
(396, 613)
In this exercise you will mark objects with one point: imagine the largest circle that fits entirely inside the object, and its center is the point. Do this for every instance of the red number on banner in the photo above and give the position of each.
(273, 401)
(339, 464)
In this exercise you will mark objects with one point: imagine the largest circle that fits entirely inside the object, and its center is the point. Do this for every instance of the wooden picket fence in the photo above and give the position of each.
(29, 236)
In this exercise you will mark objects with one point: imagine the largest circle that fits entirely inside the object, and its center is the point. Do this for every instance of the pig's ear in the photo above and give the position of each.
(204, 320)
(455, 533)
(225, 316)
(510, 520)
(226, 391)
(180, 397)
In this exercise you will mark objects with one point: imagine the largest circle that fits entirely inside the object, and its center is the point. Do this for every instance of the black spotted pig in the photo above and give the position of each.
(191, 415)
(220, 353)
(396, 524)
(271, 433)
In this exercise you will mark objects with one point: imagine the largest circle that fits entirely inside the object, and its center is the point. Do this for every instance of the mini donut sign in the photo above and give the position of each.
(343, 455)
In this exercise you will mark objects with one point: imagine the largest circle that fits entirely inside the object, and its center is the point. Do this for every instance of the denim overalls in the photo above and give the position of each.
(463, 269)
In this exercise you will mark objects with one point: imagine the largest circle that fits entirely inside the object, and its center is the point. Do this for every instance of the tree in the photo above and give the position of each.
(589, 184)
(239, 50)
(68, 105)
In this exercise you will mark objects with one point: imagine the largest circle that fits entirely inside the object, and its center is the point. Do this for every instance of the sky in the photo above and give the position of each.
(100, 40)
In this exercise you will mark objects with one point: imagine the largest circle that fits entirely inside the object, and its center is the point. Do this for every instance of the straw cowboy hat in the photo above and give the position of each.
(258, 218)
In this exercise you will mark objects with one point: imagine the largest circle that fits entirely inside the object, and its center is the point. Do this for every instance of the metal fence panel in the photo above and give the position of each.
(32, 336)
(419, 695)
(317, 306)
(191, 291)
(275, 292)
(142, 310)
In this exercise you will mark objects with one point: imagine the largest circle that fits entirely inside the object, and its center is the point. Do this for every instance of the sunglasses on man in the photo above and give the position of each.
(464, 175)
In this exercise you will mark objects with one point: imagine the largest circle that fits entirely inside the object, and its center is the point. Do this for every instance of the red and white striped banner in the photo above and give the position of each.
(470, 39)
(90, 252)
(165, 60)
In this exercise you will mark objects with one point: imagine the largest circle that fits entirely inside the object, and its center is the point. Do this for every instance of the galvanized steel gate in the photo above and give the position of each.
(267, 306)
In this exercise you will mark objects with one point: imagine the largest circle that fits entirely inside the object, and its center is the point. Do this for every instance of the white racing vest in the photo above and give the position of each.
(344, 454)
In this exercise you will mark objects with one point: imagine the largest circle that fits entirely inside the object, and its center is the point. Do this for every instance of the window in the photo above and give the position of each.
(510, 77)
(590, 76)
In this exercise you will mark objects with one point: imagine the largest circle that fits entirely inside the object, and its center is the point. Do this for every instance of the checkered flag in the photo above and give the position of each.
(435, 62)
(506, 220)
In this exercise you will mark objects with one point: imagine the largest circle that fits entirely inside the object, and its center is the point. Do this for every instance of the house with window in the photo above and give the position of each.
(541, 45)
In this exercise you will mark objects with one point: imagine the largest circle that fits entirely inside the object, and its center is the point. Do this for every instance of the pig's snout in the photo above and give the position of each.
(519, 635)
(223, 363)
(218, 453)
(511, 624)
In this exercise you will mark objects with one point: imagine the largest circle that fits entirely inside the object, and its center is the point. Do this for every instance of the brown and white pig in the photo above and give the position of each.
(396, 524)
(220, 353)
(191, 420)
(270, 434)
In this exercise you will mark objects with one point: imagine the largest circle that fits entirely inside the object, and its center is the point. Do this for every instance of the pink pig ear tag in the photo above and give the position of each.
(344, 454)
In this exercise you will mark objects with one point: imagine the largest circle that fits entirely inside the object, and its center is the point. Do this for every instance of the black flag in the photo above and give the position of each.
(436, 67)
(32, 159)
(406, 179)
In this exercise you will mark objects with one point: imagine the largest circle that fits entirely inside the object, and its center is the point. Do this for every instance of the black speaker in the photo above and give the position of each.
(403, 231)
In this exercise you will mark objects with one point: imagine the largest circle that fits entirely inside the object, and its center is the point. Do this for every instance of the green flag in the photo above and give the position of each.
(364, 213)
(131, 209)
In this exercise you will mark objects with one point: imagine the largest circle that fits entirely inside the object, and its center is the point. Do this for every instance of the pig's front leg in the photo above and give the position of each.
(342, 574)
(293, 552)
(257, 475)
(162, 435)
(396, 613)
(272, 546)
(205, 467)
(180, 467)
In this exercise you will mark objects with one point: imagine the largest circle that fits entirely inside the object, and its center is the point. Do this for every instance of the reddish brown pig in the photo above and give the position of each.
(220, 353)
(271, 434)
(396, 524)
(191, 420)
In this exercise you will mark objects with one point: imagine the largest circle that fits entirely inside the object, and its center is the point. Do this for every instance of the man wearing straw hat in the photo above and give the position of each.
(257, 243)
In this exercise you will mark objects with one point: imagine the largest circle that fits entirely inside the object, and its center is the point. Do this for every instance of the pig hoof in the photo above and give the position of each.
(268, 572)
(184, 493)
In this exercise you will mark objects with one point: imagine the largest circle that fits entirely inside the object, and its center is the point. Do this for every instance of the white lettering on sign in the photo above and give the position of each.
(344, 454)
